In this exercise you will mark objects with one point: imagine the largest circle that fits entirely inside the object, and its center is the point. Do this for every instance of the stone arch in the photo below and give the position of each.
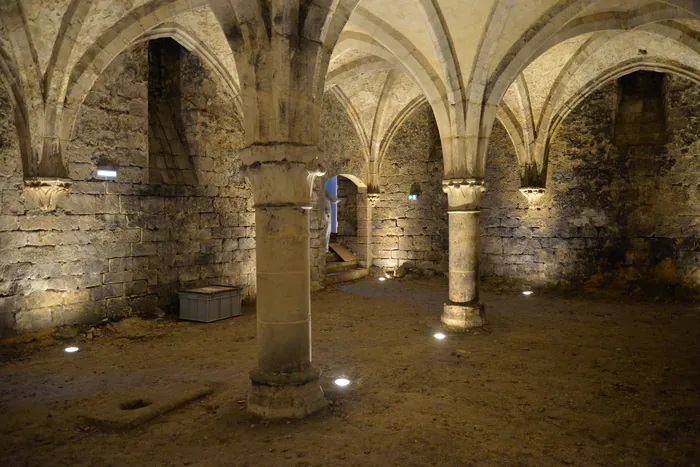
(510, 123)
(394, 128)
(357, 67)
(560, 25)
(631, 66)
(193, 44)
(106, 48)
(391, 45)
(56, 77)
(354, 117)
(21, 73)
(556, 26)
(9, 77)
(553, 103)
(444, 47)
(361, 186)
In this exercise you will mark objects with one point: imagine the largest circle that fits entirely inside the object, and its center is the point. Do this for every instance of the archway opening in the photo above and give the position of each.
(347, 233)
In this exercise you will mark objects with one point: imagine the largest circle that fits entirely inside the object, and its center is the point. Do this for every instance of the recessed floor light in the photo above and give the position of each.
(439, 336)
(71, 349)
(528, 292)
(342, 382)
(382, 279)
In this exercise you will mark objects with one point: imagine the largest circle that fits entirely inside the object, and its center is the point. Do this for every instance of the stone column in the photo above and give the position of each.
(464, 311)
(285, 384)
(365, 207)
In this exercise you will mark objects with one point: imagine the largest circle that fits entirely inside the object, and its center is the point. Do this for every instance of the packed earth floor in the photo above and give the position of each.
(577, 379)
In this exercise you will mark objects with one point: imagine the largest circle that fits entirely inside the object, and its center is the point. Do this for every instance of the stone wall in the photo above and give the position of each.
(342, 154)
(408, 233)
(610, 217)
(116, 247)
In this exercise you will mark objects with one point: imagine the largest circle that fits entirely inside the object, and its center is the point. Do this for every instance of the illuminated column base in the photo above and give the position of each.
(285, 384)
(286, 396)
(461, 317)
(464, 311)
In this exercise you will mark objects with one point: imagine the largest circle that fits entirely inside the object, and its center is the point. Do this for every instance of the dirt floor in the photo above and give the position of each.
(553, 380)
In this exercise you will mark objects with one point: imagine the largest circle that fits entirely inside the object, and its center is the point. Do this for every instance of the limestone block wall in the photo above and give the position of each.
(622, 218)
(412, 233)
(341, 151)
(113, 248)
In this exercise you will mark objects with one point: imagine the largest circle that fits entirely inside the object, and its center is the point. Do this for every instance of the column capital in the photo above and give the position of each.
(533, 194)
(373, 199)
(280, 152)
(463, 194)
(47, 190)
(282, 183)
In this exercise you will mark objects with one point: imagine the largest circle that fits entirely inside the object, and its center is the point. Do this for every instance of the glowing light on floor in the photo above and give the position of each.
(528, 292)
(382, 279)
(439, 336)
(71, 349)
(342, 382)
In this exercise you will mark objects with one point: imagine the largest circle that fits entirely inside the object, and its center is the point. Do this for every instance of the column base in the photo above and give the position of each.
(462, 317)
(285, 396)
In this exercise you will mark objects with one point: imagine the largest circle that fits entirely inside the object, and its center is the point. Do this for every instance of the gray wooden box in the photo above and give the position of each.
(207, 304)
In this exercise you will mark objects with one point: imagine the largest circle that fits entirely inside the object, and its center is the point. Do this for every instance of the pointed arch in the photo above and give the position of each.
(354, 117)
(106, 48)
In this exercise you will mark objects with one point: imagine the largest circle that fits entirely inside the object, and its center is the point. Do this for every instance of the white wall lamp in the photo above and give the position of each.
(106, 173)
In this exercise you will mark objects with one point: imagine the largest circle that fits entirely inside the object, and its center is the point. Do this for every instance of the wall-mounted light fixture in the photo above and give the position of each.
(106, 173)
(415, 192)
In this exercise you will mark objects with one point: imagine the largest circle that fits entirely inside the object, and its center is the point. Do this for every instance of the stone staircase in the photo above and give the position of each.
(338, 271)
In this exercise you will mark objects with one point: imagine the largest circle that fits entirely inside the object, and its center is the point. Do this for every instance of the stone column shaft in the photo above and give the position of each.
(464, 257)
(464, 311)
(285, 384)
(283, 284)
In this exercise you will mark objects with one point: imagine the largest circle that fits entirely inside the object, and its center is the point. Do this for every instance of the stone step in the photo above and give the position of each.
(332, 257)
(345, 276)
(338, 266)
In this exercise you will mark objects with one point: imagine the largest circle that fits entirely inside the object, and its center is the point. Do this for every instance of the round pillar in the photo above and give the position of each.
(464, 311)
(285, 384)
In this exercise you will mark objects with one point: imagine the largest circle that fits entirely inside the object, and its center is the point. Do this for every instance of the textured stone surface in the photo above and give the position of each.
(609, 217)
(117, 247)
(412, 233)
(342, 154)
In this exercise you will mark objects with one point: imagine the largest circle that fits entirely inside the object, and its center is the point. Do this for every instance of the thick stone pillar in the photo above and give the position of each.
(285, 383)
(464, 311)
(365, 208)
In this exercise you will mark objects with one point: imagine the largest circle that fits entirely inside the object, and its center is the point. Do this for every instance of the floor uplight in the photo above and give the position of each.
(528, 292)
(71, 349)
(342, 382)
(382, 279)
(439, 336)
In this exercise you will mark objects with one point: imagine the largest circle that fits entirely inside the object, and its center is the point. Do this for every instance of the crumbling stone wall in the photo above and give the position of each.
(408, 233)
(113, 248)
(611, 217)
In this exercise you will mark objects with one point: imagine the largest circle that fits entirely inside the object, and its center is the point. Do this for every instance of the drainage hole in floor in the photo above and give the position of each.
(135, 404)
